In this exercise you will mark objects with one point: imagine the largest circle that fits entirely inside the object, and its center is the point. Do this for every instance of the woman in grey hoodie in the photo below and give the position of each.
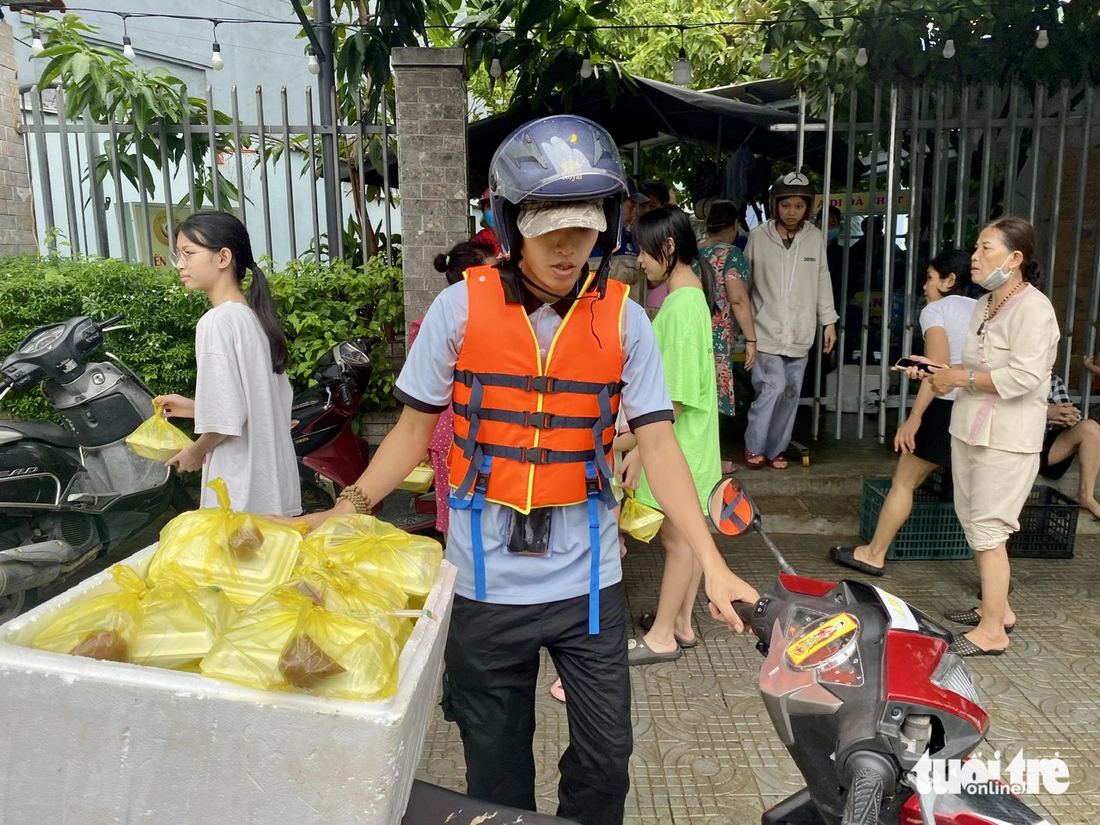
(791, 297)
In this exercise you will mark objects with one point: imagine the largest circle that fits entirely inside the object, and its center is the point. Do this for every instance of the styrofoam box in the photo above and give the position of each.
(94, 742)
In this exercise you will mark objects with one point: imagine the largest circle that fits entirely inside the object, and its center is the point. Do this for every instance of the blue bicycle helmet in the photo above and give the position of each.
(562, 158)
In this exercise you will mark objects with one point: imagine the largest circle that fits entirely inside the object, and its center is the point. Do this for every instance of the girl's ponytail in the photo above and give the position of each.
(710, 281)
(259, 298)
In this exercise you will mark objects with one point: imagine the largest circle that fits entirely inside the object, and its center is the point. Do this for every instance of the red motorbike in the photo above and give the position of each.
(330, 455)
(867, 699)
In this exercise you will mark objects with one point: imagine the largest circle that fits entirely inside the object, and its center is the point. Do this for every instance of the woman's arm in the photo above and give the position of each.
(672, 485)
(938, 351)
(189, 459)
(738, 296)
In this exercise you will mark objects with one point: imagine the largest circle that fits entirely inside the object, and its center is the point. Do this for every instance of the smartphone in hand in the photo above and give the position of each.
(910, 363)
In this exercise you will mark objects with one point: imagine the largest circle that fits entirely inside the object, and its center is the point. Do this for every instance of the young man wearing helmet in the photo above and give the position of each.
(535, 356)
(791, 297)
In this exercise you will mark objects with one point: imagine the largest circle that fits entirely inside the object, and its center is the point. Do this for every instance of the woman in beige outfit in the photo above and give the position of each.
(999, 417)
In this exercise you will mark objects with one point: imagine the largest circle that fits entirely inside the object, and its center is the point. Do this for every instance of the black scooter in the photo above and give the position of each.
(74, 494)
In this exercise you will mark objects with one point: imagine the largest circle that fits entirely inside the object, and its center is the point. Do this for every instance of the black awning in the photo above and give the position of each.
(649, 110)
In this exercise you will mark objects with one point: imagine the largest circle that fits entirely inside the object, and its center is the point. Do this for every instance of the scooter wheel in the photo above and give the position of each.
(11, 605)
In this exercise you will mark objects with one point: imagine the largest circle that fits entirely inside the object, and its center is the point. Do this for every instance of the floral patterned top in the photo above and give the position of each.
(728, 262)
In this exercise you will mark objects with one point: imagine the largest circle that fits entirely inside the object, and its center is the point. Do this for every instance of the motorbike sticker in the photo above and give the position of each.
(901, 617)
(822, 638)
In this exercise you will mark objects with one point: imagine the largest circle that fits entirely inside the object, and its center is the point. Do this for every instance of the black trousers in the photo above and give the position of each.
(492, 666)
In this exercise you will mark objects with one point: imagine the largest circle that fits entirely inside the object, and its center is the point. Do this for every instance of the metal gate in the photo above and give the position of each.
(935, 164)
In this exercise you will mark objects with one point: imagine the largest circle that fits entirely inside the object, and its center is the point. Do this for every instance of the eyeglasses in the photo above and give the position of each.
(184, 255)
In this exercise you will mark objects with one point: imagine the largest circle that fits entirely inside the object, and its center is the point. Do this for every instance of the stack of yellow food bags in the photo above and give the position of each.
(240, 598)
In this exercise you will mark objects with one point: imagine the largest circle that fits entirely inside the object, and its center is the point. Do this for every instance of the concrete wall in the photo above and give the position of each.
(431, 147)
(16, 211)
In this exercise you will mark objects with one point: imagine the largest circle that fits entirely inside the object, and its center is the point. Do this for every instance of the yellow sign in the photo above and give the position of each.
(158, 229)
(861, 200)
(820, 637)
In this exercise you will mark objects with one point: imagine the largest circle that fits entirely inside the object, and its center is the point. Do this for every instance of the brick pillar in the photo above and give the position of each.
(16, 204)
(431, 150)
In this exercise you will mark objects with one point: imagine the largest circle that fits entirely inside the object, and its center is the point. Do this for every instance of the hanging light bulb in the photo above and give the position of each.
(681, 69)
(949, 49)
(127, 47)
(586, 65)
(36, 43)
(861, 57)
(314, 65)
(1042, 39)
(216, 62)
(495, 69)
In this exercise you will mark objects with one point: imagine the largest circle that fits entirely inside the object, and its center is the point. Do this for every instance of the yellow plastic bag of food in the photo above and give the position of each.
(346, 591)
(157, 439)
(288, 643)
(180, 623)
(379, 549)
(245, 555)
(639, 520)
(420, 480)
(103, 627)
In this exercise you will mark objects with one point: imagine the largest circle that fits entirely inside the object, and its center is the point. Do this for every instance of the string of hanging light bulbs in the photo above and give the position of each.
(681, 69)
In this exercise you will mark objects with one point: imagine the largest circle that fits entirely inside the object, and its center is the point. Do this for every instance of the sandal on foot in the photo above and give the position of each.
(646, 624)
(755, 461)
(639, 653)
(970, 618)
(846, 556)
(728, 468)
(962, 646)
(779, 462)
(557, 691)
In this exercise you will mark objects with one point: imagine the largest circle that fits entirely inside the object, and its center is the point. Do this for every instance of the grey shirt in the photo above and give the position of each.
(426, 383)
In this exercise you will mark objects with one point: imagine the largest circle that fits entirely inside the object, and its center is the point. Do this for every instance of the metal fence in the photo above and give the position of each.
(935, 164)
(289, 210)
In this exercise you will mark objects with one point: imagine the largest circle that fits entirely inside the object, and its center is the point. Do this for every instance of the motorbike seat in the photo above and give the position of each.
(45, 431)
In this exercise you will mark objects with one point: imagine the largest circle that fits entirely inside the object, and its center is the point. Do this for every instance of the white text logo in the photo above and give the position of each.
(977, 776)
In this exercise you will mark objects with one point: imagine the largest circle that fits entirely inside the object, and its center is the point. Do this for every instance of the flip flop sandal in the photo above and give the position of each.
(646, 624)
(970, 618)
(729, 468)
(779, 462)
(557, 691)
(962, 646)
(639, 653)
(846, 556)
(755, 461)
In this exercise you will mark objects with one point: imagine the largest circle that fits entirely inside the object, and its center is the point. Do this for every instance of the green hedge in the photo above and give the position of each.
(321, 304)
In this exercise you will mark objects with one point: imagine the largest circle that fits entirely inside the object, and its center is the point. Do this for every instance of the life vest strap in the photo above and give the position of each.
(531, 455)
(538, 420)
(545, 384)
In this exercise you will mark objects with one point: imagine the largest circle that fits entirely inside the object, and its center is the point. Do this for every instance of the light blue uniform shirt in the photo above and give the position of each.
(426, 383)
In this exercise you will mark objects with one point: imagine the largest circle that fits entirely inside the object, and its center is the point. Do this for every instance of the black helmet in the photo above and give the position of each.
(793, 184)
(562, 158)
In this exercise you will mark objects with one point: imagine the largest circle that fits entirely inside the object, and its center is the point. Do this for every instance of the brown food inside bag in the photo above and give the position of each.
(304, 664)
(246, 540)
(309, 591)
(106, 645)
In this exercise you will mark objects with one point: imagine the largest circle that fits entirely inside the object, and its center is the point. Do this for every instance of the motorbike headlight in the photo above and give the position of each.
(951, 674)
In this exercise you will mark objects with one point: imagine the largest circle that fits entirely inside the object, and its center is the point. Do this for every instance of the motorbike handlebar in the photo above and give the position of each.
(744, 611)
(114, 319)
(345, 394)
(870, 772)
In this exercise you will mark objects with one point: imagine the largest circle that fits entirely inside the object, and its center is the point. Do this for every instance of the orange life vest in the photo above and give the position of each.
(543, 425)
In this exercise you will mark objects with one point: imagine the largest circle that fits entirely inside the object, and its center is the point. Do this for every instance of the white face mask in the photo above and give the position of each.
(997, 277)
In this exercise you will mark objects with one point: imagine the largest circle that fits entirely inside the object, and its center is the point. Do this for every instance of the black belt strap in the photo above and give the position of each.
(536, 383)
(538, 420)
(530, 455)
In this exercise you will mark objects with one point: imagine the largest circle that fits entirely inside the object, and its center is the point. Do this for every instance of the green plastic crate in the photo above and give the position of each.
(932, 530)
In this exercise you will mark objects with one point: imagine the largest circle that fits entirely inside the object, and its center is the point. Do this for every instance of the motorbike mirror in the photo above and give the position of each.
(731, 509)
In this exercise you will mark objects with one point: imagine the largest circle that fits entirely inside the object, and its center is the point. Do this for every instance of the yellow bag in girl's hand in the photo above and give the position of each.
(156, 439)
(639, 520)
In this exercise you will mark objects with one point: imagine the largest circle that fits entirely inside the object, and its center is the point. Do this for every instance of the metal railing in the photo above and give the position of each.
(282, 201)
(935, 164)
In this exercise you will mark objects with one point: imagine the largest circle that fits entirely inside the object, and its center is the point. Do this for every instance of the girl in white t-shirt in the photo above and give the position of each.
(242, 395)
(923, 440)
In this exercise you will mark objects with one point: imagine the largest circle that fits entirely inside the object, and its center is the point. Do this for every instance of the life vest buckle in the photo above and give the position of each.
(592, 487)
(481, 481)
(538, 420)
(536, 455)
(540, 383)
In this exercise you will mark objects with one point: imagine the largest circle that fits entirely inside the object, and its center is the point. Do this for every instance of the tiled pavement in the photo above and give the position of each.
(706, 753)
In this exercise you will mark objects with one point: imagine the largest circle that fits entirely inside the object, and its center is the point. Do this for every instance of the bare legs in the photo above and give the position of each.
(909, 475)
(1082, 438)
(679, 588)
(995, 572)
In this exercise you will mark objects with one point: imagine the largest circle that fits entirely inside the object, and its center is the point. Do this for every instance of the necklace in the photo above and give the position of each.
(989, 316)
